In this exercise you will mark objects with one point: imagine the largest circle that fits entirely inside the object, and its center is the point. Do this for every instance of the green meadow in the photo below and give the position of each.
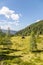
(20, 52)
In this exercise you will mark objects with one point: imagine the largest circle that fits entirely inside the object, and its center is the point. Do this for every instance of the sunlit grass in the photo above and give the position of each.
(24, 46)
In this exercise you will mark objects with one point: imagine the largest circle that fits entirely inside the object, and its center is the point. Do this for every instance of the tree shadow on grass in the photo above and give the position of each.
(7, 57)
(6, 50)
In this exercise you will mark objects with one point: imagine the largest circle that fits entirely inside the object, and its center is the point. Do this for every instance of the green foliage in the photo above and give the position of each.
(36, 27)
(8, 56)
(8, 33)
(27, 63)
(5, 44)
(33, 45)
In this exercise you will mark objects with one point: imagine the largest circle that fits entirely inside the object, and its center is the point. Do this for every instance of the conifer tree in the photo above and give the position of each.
(33, 45)
(1, 37)
(6, 41)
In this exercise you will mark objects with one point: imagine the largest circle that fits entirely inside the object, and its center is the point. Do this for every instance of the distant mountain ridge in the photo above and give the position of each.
(11, 31)
(36, 27)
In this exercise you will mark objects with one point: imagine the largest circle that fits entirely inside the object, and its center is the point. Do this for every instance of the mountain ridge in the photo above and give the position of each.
(11, 31)
(36, 27)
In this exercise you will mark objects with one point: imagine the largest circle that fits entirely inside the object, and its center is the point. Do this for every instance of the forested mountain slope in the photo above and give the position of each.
(36, 27)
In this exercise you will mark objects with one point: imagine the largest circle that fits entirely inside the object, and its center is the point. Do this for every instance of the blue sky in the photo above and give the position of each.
(17, 14)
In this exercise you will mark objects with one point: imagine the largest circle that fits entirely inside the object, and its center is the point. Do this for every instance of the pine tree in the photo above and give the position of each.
(1, 37)
(8, 33)
(6, 41)
(33, 45)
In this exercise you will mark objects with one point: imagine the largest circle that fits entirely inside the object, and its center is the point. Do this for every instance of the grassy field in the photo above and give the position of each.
(23, 54)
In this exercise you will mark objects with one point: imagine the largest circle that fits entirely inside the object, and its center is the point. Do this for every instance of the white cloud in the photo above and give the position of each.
(12, 20)
(15, 16)
(9, 13)
(6, 27)
(4, 24)
(11, 23)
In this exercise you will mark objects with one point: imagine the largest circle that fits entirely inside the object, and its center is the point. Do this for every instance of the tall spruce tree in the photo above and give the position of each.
(33, 45)
(1, 37)
(7, 43)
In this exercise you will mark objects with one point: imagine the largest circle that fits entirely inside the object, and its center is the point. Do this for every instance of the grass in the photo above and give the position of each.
(24, 56)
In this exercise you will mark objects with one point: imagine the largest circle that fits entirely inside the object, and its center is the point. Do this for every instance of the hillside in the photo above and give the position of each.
(36, 27)
(15, 50)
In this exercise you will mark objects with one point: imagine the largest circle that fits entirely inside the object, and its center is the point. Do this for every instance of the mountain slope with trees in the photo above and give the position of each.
(36, 27)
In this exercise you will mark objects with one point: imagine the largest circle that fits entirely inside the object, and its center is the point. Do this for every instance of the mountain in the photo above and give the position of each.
(11, 31)
(36, 27)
